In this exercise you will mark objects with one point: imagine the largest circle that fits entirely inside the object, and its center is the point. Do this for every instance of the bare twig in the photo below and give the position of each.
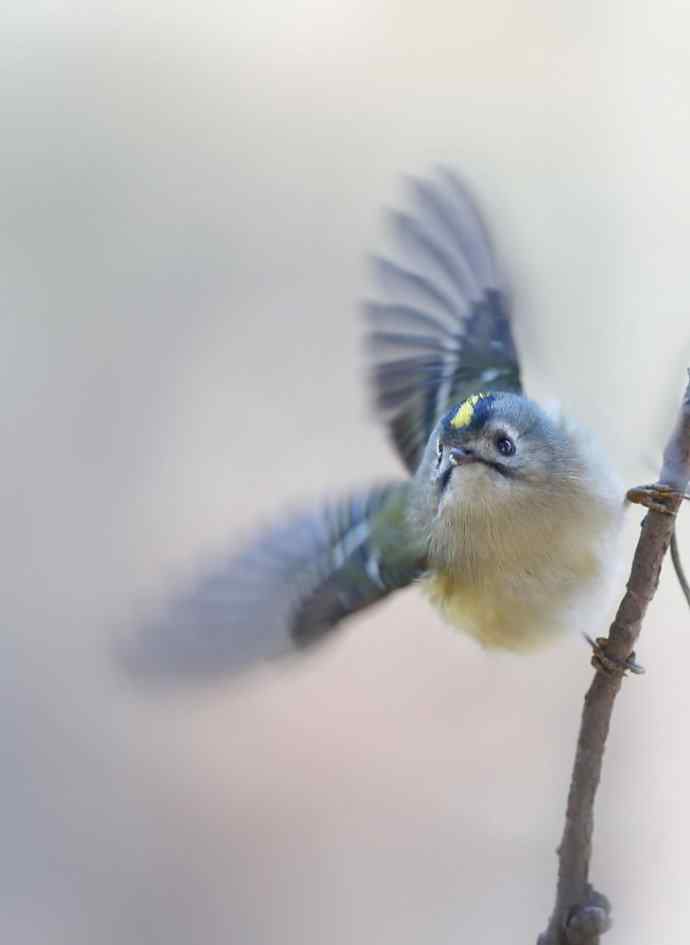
(678, 565)
(580, 914)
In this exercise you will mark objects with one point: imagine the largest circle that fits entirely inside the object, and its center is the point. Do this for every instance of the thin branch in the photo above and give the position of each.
(580, 914)
(678, 565)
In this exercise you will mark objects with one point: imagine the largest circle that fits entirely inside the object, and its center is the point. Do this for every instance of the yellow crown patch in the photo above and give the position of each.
(465, 412)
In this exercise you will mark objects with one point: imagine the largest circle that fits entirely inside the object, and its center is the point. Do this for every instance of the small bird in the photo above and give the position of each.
(509, 512)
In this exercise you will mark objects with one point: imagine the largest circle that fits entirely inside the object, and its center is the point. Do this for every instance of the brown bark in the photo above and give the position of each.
(580, 914)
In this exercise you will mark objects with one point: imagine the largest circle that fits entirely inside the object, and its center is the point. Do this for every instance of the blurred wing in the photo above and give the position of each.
(287, 589)
(443, 332)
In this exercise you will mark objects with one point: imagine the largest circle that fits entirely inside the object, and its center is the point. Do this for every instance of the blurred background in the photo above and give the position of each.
(188, 192)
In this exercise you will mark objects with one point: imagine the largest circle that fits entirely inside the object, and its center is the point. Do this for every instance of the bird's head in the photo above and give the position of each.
(497, 449)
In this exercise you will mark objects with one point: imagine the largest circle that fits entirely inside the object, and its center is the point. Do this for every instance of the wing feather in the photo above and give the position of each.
(291, 585)
(442, 331)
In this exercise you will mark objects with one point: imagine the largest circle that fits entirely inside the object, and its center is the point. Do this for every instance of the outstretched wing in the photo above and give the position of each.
(290, 586)
(443, 332)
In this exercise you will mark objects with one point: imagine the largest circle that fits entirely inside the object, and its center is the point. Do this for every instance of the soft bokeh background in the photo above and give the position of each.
(187, 193)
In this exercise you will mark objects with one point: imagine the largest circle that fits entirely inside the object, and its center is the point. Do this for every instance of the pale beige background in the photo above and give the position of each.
(187, 192)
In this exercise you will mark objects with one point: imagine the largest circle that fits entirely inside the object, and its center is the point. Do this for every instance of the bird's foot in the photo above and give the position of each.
(611, 664)
(656, 496)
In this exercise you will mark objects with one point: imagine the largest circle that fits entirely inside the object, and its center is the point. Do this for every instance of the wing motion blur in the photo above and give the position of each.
(443, 331)
(287, 589)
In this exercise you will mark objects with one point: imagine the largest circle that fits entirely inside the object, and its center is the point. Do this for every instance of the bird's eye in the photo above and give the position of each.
(505, 445)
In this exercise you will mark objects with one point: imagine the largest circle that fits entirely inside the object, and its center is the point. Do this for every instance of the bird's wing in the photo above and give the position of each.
(443, 331)
(290, 586)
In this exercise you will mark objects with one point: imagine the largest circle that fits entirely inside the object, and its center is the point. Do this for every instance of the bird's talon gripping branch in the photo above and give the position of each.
(611, 664)
(656, 496)
(578, 918)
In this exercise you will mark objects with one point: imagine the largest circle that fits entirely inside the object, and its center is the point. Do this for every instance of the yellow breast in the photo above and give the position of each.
(496, 620)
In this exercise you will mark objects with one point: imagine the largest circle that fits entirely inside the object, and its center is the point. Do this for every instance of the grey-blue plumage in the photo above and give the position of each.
(286, 589)
(506, 516)
(443, 332)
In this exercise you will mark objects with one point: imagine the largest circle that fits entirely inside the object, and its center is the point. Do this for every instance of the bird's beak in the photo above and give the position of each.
(461, 457)
(452, 458)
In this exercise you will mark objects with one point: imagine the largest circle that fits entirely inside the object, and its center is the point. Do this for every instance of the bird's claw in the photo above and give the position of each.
(611, 664)
(655, 496)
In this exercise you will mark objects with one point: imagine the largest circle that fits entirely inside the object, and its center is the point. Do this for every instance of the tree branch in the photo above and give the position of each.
(580, 914)
(678, 565)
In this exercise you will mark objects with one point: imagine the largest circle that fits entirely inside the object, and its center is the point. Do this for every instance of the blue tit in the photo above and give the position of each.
(508, 515)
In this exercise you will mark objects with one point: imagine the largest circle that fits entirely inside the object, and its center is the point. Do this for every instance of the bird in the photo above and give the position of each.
(506, 518)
